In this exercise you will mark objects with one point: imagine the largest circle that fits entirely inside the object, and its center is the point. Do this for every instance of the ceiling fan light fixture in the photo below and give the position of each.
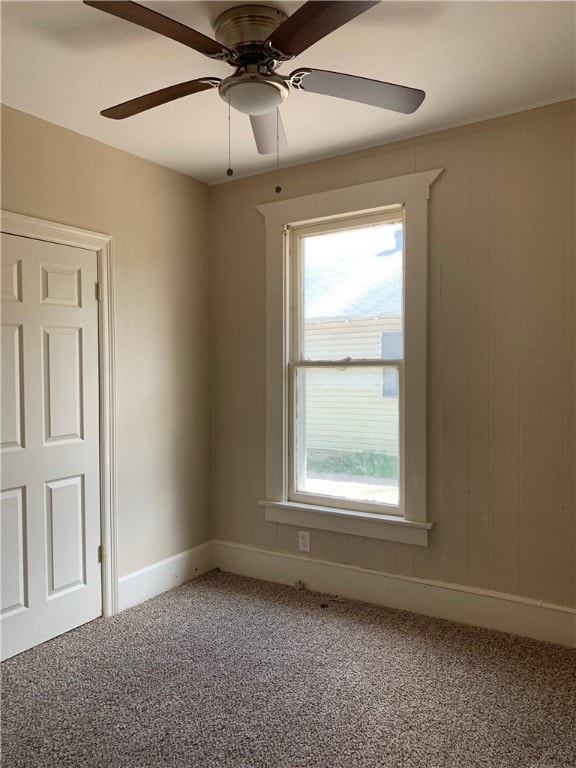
(255, 40)
(253, 94)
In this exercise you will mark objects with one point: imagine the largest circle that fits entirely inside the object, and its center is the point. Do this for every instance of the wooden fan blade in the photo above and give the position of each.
(377, 93)
(313, 21)
(156, 98)
(156, 22)
(268, 132)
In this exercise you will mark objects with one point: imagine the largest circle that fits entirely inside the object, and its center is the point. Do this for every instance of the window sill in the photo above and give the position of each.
(366, 524)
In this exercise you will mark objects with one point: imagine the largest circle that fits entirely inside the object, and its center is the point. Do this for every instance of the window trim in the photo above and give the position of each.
(412, 192)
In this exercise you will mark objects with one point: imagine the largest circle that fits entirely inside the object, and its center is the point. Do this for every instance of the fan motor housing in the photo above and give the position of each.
(247, 25)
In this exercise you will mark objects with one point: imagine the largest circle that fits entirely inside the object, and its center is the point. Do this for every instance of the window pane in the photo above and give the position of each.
(347, 434)
(390, 383)
(352, 291)
(391, 345)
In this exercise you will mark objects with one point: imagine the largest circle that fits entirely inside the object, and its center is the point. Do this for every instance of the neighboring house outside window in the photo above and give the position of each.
(390, 349)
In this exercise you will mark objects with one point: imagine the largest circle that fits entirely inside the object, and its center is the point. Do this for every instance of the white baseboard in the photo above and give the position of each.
(163, 575)
(478, 607)
(482, 608)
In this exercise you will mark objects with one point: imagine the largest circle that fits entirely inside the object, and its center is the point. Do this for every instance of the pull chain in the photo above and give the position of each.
(278, 187)
(229, 172)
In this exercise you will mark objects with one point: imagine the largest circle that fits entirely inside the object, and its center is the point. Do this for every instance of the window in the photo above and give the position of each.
(330, 464)
(346, 287)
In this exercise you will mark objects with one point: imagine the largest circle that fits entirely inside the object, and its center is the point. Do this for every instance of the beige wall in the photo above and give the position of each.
(159, 221)
(501, 344)
(501, 356)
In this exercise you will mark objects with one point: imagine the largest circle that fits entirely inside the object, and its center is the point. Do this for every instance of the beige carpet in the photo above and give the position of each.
(229, 672)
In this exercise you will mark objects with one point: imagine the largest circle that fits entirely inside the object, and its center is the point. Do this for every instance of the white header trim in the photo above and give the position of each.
(372, 196)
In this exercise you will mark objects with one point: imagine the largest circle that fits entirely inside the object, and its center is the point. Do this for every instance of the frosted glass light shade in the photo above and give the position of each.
(254, 97)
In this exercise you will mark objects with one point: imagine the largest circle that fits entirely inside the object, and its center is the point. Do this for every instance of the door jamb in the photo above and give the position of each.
(103, 246)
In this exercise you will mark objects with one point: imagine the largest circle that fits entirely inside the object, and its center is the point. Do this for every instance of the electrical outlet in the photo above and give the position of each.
(304, 541)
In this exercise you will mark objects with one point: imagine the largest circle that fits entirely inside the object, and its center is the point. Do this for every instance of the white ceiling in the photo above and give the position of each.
(64, 62)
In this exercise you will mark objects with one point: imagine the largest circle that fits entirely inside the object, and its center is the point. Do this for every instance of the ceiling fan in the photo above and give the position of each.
(255, 40)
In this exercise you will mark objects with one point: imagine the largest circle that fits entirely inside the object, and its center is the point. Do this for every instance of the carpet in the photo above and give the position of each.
(231, 672)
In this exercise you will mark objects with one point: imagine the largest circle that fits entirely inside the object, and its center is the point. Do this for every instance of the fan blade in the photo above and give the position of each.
(268, 132)
(313, 21)
(154, 99)
(156, 22)
(398, 98)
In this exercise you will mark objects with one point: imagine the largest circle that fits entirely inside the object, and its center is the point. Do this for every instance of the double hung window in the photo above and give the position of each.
(346, 362)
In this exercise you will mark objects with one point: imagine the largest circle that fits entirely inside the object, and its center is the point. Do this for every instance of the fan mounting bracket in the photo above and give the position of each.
(275, 54)
(244, 29)
(297, 78)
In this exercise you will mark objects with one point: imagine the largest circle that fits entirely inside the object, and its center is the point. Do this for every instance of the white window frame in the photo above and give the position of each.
(296, 361)
(412, 193)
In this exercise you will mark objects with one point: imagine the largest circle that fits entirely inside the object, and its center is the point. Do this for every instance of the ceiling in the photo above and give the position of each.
(64, 62)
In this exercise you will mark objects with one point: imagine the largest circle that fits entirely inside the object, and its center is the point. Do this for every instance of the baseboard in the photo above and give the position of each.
(163, 575)
(478, 607)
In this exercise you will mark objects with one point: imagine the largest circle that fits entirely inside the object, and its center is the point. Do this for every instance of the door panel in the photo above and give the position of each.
(12, 403)
(61, 286)
(11, 279)
(65, 534)
(62, 364)
(13, 527)
(50, 513)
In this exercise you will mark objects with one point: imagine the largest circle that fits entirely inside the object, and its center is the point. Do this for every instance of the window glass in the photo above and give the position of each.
(347, 328)
(347, 436)
(391, 345)
(391, 349)
(351, 288)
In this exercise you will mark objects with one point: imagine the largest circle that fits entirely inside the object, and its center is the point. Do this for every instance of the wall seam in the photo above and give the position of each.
(564, 353)
(211, 330)
(520, 326)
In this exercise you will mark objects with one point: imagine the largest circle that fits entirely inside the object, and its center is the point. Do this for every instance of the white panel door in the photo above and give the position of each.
(50, 498)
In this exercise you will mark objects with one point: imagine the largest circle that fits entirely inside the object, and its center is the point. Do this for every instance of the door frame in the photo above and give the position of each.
(103, 246)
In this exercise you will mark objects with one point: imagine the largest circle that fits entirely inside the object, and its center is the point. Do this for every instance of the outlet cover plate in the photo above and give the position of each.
(304, 541)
